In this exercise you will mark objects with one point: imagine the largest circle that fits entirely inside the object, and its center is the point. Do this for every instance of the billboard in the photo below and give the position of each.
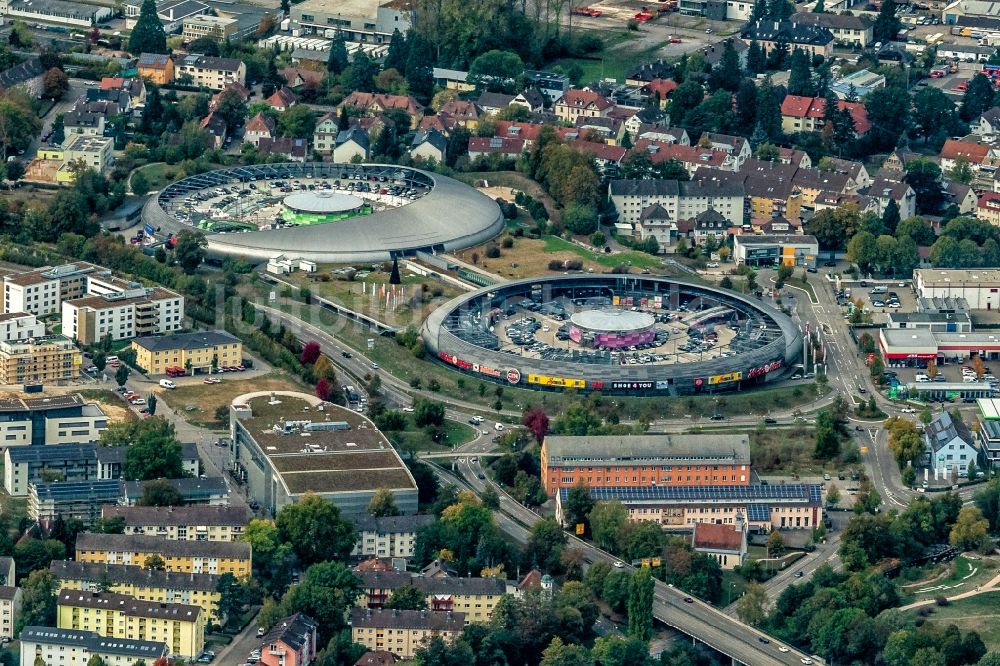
(564, 382)
(626, 386)
(726, 378)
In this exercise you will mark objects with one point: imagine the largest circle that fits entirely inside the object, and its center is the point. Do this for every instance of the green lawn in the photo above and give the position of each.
(156, 175)
(980, 613)
(634, 259)
(414, 438)
(733, 586)
(965, 575)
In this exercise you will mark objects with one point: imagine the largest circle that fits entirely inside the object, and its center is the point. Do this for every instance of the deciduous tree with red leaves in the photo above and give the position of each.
(537, 422)
(323, 389)
(310, 353)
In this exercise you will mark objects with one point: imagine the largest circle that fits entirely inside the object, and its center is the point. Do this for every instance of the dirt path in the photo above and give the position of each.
(989, 586)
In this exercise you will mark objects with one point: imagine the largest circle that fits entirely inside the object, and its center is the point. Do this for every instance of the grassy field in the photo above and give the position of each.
(980, 613)
(198, 402)
(416, 439)
(110, 402)
(156, 175)
(964, 575)
(360, 295)
(787, 451)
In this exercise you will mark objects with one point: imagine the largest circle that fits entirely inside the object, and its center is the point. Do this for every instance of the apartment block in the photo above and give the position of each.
(194, 589)
(389, 536)
(59, 462)
(10, 609)
(290, 642)
(71, 499)
(184, 523)
(199, 351)
(39, 360)
(71, 647)
(474, 598)
(212, 490)
(94, 151)
(214, 557)
(403, 632)
(211, 72)
(681, 200)
(111, 461)
(180, 626)
(20, 326)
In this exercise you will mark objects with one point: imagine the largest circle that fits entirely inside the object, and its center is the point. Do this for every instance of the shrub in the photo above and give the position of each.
(493, 251)
(941, 601)
(555, 265)
(574, 265)
(507, 242)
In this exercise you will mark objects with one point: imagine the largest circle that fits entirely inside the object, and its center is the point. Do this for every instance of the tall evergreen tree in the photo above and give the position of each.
(337, 62)
(397, 54)
(890, 217)
(780, 10)
(746, 106)
(420, 68)
(361, 75)
(800, 77)
(343, 120)
(726, 75)
(819, 7)
(640, 604)
(887, 24)
(769, 112)
(978, 98)
(759, 11)
(756, 58)
(148, 35)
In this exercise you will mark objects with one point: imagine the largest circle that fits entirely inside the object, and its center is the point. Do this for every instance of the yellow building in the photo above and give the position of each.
(180, 626)
(193, 352)
(39, 360)
(195, 522)
(194, 589)
(214, 557)
(403, 632)
(156, 68)
(475, 598)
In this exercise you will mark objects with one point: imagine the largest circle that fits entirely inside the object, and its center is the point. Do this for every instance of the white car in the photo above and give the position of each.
(714, 264)
(408, 410)
(619, 564)
(137, 401)
(782, 648)
(499, 427)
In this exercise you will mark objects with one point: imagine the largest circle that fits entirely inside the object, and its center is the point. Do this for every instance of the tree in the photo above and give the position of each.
(756, 58)
(497, 71)
(205, 46)
(160, 493)
(961, 172)
(337, 62)
(606, 522)
(190, 249)
(360, 76)
(316, 530)
(310, 353)
(775, 543)
(752, 606)
(924, 177)
(139, 184)
(297, 122)
(154, 562)
(38, 600)
(55, 84)
(121, 375)
(971, 530)
(827, 436)
(419, 67)
(151, 404)
(933, 115)
(383, 503)
(890, 216)
(559, 653)
(327, 590)
(800, 78)
(148, 35)
(394, 277)
(154, 452)
(887, 24)
(407, 597)
(904, 441)
(726, 75)
(640, 605)
(428, 412)
(779, 10)
(977, 99)
(398, 52)
(230, 597)
(578, 505)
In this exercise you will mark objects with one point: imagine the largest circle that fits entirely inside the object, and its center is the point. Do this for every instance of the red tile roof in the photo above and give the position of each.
(260, 123)
(660, 152)
(112, 83)
(974, 153)
(717, 537)
(601, 151)
(796, 106)
(582, 99)
(663, 87)
(990, 200)
(377, 102)
(282, 98)
(498, 145)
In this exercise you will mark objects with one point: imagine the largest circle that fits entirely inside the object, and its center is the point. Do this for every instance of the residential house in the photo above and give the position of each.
(726, 544)
(441, 122)
(846, 29)
(646, 72)
(988, 208)
(476, 598)
(882, 191)
(216, 127)
(464, 112)
(709, 223)
(949, 447)
(855, 170)
(351, 144)
(70, 647)
(660, 90)
(429, 146)
(736, 146)
(530, 99)
(290, 642)
(609, 130)
(655, 222)
(955, 151)
(503, 147)
(156, 68)
(374, 104)
(211, 72)
(807, 114)
(581, 103)
(608, 158)
(713, 52)
(810, 182)
(798, 158)
(299, 77)
(261, 126)
(241, 91)
(377, 658)
(288, 148)
(988, 123)
(403, 632)
(770, 189)
(682, 200)
(692, 157)
(452, 79)
(662, 134)
(551, 85)
(325, 134)
(78, 122)
(282, 99)
(183, 523)
(962, 196)
(813, 39)
(776, 225)
(899, 158)
(491, 103)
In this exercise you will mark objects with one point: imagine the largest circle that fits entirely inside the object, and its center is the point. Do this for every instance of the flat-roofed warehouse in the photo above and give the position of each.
(609, 461)
(288, 444)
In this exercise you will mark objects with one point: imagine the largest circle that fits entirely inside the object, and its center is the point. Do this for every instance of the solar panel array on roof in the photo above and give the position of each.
(788, 491)
(758, 513)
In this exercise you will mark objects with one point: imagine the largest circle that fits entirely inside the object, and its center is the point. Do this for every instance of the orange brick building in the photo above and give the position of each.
(617, 461)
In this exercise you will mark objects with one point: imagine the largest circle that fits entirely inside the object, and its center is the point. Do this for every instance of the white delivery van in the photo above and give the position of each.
(167, 384)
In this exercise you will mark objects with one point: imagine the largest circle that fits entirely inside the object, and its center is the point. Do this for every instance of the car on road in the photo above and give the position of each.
(859, 428)
(764, 639)
(688, 600)
(408, 410)
(862, 390)
(799, 574)
(374, 366)
(261, 631)
(770, 421)
(718, 417)
(498, 427)
(618, 564)
(481, 475)
(829, 263)
(811, 270)
(782, 648)
(346, 354)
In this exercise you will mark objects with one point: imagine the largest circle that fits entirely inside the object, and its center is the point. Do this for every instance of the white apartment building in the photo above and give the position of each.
(681, 200)
(213, 27)
(210, 72)
(389, 536)
(10, 609)
(20, 326)
(95, 151)
(74, 647)
(65, 419)
(123, 315)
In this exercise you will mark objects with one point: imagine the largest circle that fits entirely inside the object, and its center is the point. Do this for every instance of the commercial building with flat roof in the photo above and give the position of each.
(111, 615)
(371, 21)
(980, 287)
(75, 14)
(789, 250)
(199, 351)
(214, 557)
(195, 589)
(403, 632)
(73, 647)
(213, 490)
(988, 432)
(644, 460)
(184, 523)
(287, 444)
(57, 419)
(762, 508)
(918, 346)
